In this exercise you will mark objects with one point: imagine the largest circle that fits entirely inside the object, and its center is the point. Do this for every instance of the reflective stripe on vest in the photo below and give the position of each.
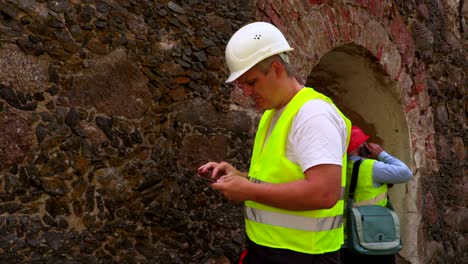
(311, 232)
(293, 221)
(381, 197)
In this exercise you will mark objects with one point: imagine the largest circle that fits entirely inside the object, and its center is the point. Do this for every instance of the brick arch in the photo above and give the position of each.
(356, 82)
(372, 36)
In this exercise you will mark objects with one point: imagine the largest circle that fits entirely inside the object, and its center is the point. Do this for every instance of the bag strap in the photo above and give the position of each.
(354, 177)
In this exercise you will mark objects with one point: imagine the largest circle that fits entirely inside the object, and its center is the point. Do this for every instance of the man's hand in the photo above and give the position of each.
(234, 188)
(374, 149)
(215, 170)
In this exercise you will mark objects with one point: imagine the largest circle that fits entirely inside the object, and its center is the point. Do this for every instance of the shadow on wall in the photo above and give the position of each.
(351, 76)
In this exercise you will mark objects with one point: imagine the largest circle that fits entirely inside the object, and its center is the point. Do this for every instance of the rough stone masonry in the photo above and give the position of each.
(108, 106)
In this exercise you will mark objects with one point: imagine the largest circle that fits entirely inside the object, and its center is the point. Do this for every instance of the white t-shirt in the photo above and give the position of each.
(317, 136)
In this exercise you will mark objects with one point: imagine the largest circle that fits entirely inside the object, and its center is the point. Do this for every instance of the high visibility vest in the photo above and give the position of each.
(311, 232)
(365, 192)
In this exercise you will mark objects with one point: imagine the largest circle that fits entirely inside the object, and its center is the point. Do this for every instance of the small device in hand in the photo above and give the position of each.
(209, 180)
(364, 151)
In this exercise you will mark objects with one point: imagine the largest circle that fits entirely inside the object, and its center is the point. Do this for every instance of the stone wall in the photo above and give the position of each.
(440, 33)
(107, 107)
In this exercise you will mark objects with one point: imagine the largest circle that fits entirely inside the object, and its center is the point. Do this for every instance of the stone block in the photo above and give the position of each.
(114, 86)
(26, 73)
(17, 137)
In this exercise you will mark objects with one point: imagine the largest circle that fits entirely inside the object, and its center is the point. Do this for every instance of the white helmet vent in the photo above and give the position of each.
(258, 36)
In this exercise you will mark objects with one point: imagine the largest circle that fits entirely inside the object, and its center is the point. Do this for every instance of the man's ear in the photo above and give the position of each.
(278, 68)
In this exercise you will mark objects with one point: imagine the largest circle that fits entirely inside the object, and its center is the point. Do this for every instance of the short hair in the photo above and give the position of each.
(283, 58)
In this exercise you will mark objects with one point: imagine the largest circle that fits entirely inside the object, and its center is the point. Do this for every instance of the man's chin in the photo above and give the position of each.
(261, 109)
(258, 107)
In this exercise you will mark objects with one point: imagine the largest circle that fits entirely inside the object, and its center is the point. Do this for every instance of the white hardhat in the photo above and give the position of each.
(251, 44)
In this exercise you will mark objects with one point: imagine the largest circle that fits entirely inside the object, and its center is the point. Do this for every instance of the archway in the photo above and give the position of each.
(356, 82)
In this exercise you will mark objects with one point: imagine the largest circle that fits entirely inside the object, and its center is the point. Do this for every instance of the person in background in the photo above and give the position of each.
(377, 173)
(293, 191)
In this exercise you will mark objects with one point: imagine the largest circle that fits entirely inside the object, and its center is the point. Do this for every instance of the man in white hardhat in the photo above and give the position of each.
(293, 190)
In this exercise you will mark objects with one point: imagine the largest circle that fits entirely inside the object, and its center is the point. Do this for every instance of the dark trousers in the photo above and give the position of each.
(257, 254)
(349, 257)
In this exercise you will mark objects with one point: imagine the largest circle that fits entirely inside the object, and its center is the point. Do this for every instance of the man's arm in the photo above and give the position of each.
(389, 169)
(320, 189)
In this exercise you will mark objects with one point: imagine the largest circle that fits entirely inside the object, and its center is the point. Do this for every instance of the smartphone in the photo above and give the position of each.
(364, 151)
(209, 180)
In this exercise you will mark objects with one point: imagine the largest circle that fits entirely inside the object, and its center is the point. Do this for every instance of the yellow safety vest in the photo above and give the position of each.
(365, 192)
(312, 232)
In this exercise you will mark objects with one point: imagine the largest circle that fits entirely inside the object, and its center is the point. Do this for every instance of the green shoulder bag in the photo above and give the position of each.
(371, 229)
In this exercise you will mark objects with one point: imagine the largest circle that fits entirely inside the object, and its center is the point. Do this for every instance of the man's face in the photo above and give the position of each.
(258, 86)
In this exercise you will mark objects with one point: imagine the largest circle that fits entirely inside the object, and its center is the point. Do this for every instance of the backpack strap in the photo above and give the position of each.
(354, 177)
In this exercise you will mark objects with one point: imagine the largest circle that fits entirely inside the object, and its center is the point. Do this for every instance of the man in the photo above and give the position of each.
(377, 171)
(293, 190)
